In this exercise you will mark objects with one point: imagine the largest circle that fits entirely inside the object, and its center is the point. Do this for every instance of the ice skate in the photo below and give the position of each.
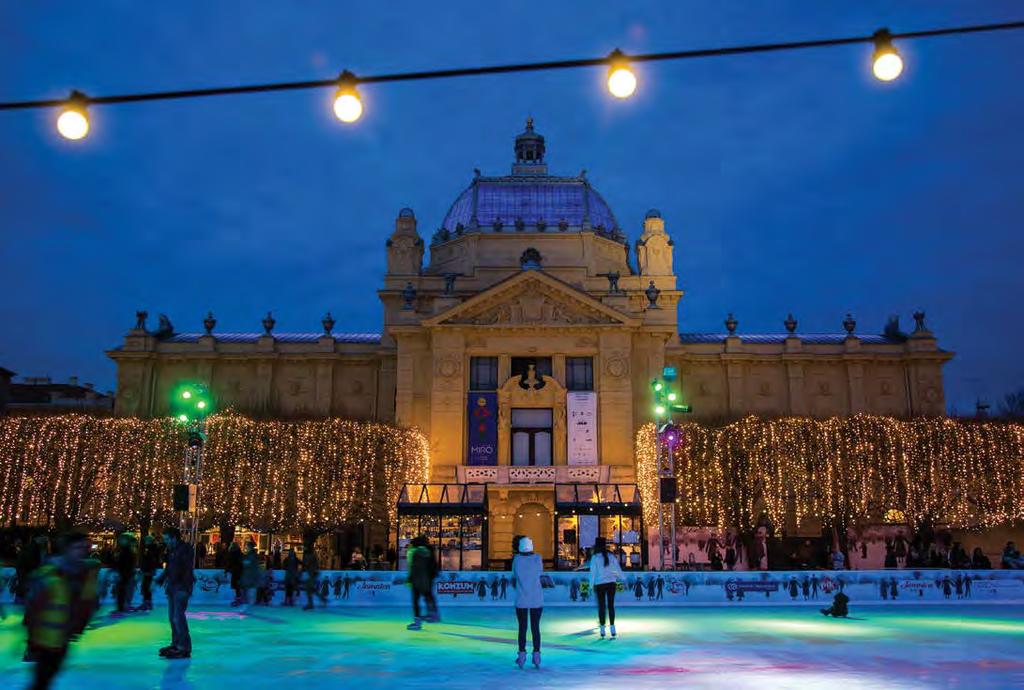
(434, 618)
(613, 630)
(176, 653)
(521, 659)
(602, 632)
(164, 651)
(536, 659)
(415, 625)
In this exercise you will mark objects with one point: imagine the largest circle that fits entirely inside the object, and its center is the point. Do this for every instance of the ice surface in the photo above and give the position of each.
(895, 646)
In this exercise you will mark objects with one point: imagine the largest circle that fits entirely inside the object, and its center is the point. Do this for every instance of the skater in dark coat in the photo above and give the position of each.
(291, 577)
(638, 588)
(422, 573)
(178, 578)
(234, 569)
(252, 572)
(793, 590)
(124, 564)
(311, 567)
(149, 562)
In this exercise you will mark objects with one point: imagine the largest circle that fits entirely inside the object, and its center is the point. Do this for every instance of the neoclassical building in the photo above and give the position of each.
(522, 337)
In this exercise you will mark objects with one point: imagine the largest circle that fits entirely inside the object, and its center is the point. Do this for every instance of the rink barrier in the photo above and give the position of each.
(489, 588)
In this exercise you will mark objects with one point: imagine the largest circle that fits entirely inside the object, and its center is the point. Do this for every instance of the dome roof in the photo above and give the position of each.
(529, 200)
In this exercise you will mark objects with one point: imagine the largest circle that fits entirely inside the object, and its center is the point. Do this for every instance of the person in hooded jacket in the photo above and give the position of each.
(527, 567)
(605, 572)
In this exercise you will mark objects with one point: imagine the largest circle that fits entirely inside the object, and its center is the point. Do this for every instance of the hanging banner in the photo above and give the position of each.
(581, 436)
(482, 414)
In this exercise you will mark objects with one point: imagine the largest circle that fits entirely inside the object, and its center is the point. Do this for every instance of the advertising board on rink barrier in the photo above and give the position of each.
(489, 588)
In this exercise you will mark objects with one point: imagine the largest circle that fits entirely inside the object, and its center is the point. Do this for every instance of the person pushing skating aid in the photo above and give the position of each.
(839, 608)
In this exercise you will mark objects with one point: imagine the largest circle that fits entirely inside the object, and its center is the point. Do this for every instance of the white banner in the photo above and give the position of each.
(581, 411)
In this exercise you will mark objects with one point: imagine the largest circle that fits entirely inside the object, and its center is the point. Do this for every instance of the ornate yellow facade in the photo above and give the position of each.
(534, 267)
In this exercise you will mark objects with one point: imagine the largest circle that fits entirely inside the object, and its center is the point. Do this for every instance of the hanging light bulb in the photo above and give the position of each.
(621, 78)
(886, 63)
(347, 105)
(73, 121)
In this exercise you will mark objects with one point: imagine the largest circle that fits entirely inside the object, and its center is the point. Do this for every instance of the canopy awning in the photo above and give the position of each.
(448, 499)
(615, 499)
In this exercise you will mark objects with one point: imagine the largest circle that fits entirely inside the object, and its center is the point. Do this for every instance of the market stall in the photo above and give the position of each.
(584, 512)
(453, 517)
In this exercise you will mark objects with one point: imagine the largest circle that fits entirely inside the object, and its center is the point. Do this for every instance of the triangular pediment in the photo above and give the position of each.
(532, 298)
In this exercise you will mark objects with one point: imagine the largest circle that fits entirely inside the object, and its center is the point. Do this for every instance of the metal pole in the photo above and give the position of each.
(661, 506)
(672, 506)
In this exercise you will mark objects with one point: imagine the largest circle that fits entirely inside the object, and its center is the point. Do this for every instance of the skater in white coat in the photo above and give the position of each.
(526, 571)
(605, 572)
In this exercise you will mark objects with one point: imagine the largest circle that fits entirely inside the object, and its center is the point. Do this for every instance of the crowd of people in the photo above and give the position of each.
(926, 548)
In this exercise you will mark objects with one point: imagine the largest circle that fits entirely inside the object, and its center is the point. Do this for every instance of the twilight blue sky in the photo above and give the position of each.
(790, 182)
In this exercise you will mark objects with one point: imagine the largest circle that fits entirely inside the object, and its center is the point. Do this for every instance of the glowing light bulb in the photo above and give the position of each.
(201, 404)
(672, 397)
(182, 417)
(186, 394)
(621, 78)
(73, 121)
(347, 105)
(659, 410)
(886, 63)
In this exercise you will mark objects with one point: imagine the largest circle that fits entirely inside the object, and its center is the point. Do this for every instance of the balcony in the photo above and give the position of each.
(525, 474)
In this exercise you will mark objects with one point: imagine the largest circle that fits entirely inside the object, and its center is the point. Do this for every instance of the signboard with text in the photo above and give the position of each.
(581, 425)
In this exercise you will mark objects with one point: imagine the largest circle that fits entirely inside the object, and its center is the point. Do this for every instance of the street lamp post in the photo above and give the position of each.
(667, 435)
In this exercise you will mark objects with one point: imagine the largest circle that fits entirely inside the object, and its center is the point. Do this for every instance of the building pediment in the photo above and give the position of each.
(532, 298)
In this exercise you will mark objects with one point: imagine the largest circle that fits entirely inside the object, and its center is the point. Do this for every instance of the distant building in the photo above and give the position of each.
(524, 349)
(5, 386)
(42, 393)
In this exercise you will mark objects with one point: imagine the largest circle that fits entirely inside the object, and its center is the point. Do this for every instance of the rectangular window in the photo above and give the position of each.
(531, 436)
(483, 373)
(579, 373)
(521, 366)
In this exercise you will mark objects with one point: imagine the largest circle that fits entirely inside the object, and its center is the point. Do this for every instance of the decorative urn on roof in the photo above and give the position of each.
(328, 323)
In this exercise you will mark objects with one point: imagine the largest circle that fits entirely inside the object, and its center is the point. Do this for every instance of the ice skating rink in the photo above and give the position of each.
(762, 648)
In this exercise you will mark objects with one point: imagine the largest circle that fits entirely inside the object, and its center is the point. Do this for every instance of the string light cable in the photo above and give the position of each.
(887, 64)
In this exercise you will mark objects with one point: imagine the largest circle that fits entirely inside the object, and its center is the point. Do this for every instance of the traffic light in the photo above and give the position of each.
(666, 399)
(191, 402)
